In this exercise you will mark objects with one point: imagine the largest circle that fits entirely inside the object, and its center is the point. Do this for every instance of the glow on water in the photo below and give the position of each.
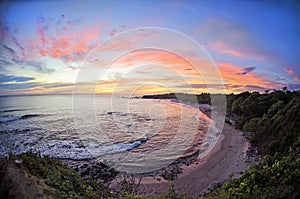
(138, 125)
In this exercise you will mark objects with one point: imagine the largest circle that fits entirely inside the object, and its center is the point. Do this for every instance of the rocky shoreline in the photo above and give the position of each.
(93, 169)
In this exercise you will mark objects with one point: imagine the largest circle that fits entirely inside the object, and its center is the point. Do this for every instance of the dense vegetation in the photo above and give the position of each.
(273, 118)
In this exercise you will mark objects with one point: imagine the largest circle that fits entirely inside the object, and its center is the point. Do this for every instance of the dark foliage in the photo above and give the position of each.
(273, 118)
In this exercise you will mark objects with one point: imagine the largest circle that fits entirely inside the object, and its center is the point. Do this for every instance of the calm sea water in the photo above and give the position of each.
(55, 126)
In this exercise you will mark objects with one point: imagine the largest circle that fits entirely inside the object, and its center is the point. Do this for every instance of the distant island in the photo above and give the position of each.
(269, 121)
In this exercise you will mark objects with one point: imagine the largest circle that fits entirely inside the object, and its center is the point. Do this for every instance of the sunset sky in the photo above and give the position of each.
(255, 45)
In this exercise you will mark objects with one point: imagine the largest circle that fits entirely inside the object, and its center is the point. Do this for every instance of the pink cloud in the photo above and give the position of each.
(64, 39)
(297, 79)
(289, 71)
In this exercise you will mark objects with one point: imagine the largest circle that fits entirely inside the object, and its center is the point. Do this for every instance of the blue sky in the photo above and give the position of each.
(254, 44)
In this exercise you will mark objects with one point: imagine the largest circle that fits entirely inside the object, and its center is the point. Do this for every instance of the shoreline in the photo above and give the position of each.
(196, 176)
(228, 157)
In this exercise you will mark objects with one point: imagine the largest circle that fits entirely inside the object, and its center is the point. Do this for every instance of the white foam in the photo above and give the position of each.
(9, 119)
(76, 151)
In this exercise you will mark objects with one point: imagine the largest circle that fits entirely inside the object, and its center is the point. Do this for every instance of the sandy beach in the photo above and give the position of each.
(228, 157)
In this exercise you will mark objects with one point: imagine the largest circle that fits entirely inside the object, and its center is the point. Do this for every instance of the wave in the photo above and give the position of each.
(71, 150)
(65, 150)
(117, 113)
(122, 147)
(9, 119)
(30, 116)
(97, 150)
(14, 118)
(13, 110)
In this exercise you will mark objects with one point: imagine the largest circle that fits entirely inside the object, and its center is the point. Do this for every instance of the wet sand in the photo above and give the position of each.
(226, 158)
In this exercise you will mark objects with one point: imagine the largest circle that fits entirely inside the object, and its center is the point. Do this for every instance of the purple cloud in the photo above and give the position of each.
(247, 70)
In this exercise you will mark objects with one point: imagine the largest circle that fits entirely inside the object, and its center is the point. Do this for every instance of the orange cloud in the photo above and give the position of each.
(177, 63)
(136, 86)
(230, 74)
(153, 56)
(154, 67)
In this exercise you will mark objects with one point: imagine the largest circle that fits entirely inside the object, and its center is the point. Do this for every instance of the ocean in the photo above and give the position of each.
(130, 134)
